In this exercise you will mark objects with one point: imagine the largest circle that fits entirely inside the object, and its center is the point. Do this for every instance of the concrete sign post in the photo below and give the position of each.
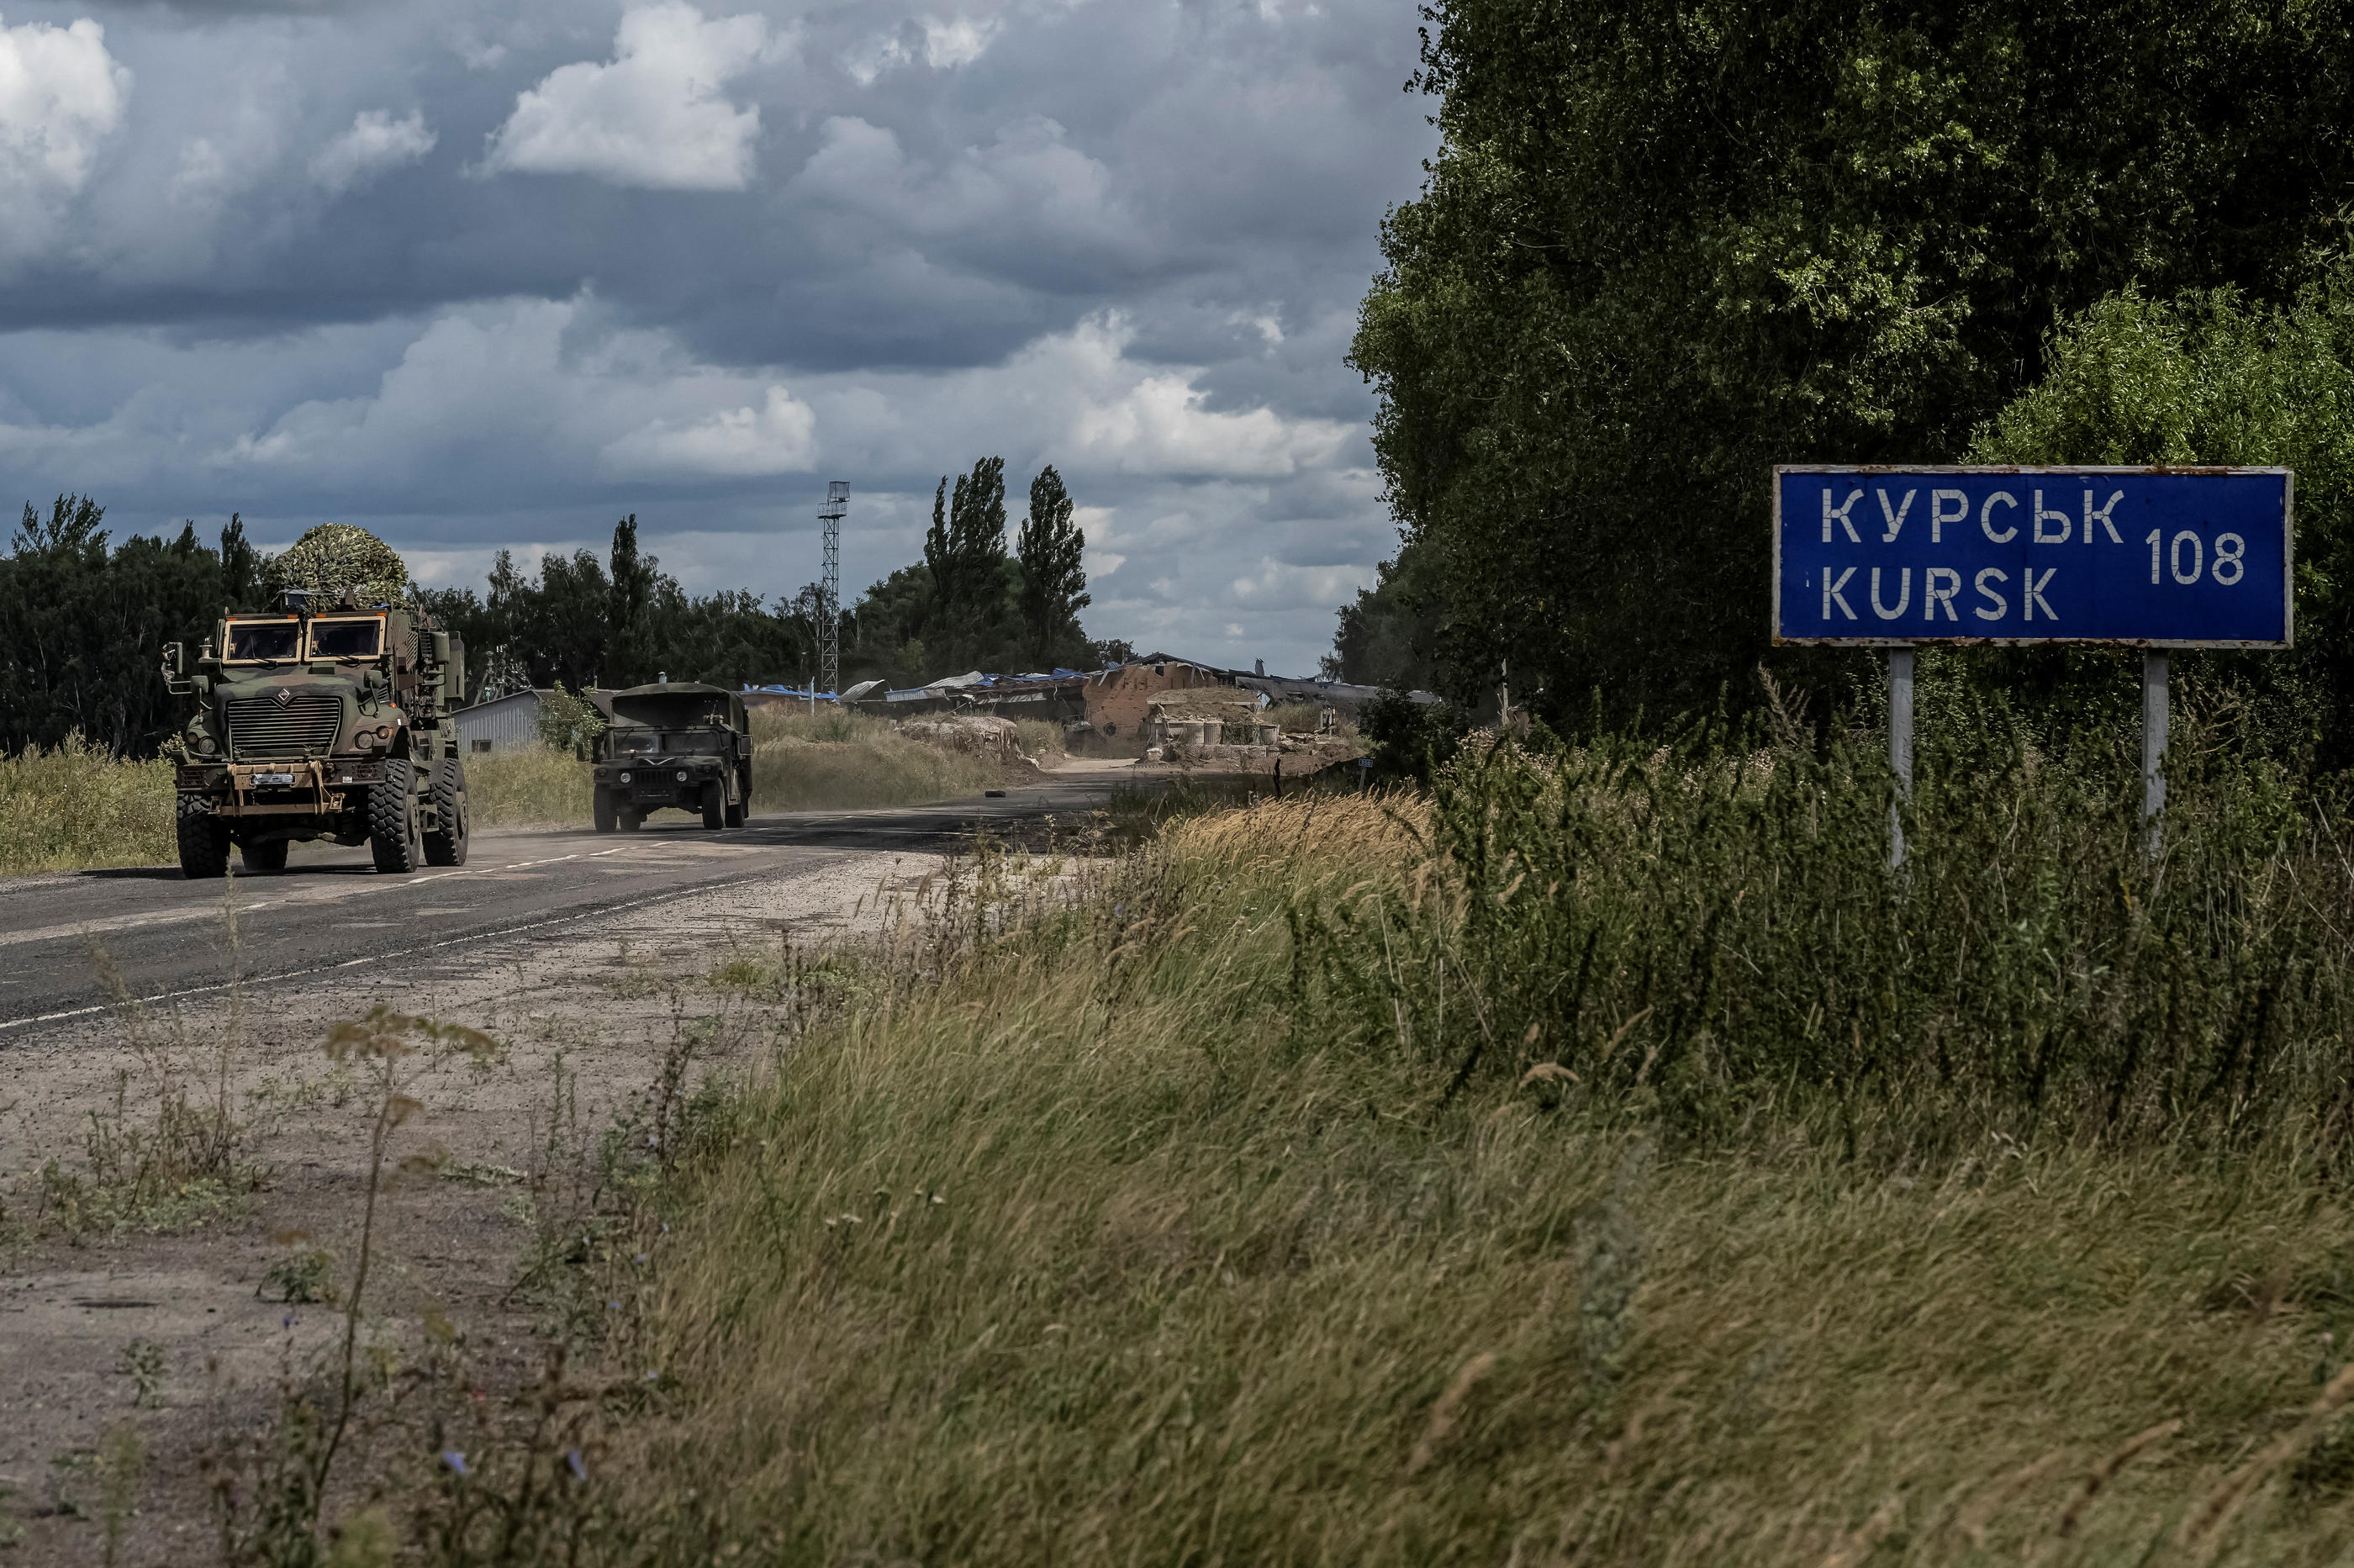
(2152, 557)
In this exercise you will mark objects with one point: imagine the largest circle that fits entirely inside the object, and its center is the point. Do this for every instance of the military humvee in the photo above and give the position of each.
(331, 717)
(677, 744)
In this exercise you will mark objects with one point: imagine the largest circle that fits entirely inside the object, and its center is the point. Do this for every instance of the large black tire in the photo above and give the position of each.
(714, 804)
(631, 818)
(734, 814)
(269, 855)
(446, 845)
(601, 807)
(392, 821)
(204, 839)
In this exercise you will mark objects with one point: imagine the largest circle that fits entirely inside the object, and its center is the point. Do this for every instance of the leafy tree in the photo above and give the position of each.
(80, 624)
(1389, 636)
(1665, 246)
(568, 723)
(2209, 377)
(1051, 549)
(634, 579)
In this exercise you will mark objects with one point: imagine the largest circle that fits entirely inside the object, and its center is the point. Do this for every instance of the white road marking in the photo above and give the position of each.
(308, 894)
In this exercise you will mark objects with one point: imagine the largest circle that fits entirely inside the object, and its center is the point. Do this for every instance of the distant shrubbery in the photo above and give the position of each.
(74, 806)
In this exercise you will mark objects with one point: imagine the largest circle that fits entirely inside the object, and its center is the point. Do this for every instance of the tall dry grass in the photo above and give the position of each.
(1093, 1253)
(532, 786)
(76, 806)
(831, 760)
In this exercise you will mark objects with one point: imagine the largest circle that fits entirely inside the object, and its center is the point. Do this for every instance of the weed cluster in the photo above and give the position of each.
(1712, 931)
(78, 805)
(181, 1155)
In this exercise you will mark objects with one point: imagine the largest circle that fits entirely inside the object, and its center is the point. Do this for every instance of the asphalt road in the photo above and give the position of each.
(330, 909)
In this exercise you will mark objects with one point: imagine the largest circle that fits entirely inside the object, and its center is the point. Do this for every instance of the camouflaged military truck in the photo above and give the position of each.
(676, 745)
(332, 719)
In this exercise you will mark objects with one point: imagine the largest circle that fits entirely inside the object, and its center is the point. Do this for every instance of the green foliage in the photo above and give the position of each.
(576, 624)
(1722, 936)
(1663, 247)
(568, 723)
(75, 805)
(145, 1364)
(2210, 377)
(1051, 550)
(965, 549)
(81, 625)
(1389, 637)
(1407, 739)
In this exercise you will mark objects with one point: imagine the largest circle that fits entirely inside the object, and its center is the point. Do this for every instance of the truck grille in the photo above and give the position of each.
(306, 727)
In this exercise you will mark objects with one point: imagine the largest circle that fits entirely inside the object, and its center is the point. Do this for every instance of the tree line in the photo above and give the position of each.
(82, 620)
(1663, 247)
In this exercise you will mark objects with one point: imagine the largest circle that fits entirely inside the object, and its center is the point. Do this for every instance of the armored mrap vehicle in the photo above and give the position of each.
(332, 719)
(676, 745)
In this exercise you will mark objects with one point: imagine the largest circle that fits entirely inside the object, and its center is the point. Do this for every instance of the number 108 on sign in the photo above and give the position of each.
(2162, 557)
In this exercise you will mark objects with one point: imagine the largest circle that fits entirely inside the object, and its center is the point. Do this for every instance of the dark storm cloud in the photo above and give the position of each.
(497, 272)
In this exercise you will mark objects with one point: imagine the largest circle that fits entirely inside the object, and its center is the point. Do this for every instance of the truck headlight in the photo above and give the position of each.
(364, 740)
(624, 777)
(682, 775)
(204, 745)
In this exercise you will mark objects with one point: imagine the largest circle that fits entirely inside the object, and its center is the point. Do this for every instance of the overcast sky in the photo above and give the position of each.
(477, 275)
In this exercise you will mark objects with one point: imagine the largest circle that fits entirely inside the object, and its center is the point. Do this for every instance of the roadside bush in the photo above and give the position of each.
(75, 806)
(1711, 930)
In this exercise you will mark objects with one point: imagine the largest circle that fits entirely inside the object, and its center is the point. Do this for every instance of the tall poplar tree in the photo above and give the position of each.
(1053, 573)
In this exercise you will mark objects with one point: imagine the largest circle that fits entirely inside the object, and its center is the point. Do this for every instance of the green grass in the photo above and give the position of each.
(1173, 1228)
(534, 786)
(76, 807)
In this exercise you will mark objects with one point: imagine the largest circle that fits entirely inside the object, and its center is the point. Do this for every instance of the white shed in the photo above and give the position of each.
(504, 723)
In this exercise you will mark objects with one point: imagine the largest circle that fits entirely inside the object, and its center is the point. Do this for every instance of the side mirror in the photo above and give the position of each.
(175, 669)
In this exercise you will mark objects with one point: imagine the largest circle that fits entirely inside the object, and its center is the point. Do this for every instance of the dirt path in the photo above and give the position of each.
(175, 1337)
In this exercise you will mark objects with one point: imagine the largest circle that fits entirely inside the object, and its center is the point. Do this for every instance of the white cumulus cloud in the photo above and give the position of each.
(654, 116)
(62, 98)
(375, 143)
(781, 437)
(948, 44)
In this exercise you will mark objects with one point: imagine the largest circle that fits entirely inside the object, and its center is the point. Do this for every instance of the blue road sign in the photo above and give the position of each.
(2163, 558)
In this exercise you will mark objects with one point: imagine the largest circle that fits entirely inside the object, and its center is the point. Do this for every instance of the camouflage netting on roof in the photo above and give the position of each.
(336, 557)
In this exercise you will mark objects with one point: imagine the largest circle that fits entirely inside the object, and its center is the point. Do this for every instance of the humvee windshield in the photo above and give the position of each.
(347, 638)
(666, 743)
(263, 641)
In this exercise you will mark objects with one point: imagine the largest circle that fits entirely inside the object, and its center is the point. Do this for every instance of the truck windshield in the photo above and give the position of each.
(263, 641)
(694, 742)
(633, 742)
(347, 638)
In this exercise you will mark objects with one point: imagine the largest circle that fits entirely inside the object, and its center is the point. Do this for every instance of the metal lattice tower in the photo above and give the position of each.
(829, 631)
